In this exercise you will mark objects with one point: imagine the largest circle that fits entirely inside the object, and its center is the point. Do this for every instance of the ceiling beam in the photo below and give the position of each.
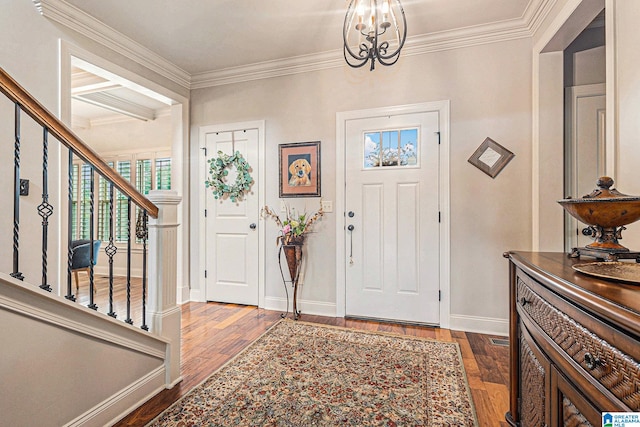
(119, 105)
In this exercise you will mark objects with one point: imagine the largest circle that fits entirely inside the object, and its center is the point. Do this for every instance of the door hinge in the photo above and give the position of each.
(439, 295)
(439, 216)
(205, 213)
(438, 133)
(204, 149)
(205, 274)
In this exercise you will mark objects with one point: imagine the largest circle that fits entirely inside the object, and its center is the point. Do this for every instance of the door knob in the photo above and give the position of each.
(350, 227)
(351, 214)
(253, 226)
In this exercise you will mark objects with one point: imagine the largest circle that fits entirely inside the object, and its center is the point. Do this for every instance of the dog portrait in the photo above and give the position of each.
(299, 172)
(300, 169)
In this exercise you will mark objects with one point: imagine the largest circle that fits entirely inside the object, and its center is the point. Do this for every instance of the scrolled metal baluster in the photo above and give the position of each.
(92, 303)
(16, 197)
(70, 295)
(142, 233)
(111, 250)
(128, 319)
(45, 210)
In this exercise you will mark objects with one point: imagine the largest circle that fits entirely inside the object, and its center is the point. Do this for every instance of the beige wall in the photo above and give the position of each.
(626, 14)
(489, 88)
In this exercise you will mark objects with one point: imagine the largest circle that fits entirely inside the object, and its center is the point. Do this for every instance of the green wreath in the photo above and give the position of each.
(218, 170)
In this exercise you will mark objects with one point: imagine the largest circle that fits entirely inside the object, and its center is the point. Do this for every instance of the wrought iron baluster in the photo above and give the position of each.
(16, 196)
(45, 210)
(111, 250)
(70, 295)
(92, 259)
(142, 232)
(128, 319)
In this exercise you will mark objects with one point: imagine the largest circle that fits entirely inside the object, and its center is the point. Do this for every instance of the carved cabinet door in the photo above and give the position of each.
(571, 408)
(535, 383)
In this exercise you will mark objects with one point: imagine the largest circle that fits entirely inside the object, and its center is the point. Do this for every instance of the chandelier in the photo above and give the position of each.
(374, 30)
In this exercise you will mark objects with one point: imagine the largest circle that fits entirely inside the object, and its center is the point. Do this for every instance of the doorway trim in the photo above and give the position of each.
(548, 117)
(200, 295)
(442, 107)
(179, 150)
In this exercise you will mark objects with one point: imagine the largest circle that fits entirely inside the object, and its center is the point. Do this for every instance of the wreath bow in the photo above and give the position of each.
(219, 169)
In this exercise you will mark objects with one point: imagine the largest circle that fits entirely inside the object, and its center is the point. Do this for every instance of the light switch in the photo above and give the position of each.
(327, 206)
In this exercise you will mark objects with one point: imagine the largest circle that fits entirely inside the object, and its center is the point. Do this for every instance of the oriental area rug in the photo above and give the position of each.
(303, 374)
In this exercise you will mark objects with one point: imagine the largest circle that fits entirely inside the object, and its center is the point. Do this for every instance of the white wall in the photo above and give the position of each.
(128, 135)
(490, 91)
(626, 14)
(29, 48)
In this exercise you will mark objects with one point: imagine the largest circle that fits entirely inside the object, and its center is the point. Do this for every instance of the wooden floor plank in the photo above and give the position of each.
(213, 333)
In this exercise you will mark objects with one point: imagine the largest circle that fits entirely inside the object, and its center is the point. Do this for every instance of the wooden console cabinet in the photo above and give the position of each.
(574, 343)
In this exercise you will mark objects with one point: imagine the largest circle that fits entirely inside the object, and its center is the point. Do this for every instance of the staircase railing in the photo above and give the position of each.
(25, 102)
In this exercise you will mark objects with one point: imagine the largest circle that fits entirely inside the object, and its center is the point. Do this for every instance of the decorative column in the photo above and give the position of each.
(164, 313)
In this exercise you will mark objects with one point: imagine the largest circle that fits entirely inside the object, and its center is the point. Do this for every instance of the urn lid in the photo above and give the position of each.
(602, 192)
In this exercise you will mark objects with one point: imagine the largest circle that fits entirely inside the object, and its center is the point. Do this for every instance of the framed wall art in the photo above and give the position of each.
(491, 157)
(300, 169)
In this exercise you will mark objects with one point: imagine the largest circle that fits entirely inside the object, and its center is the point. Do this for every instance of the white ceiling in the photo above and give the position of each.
(207, 35)
(207, 42)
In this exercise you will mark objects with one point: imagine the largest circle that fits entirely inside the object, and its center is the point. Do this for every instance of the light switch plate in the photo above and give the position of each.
(327, 206)
(283, 206)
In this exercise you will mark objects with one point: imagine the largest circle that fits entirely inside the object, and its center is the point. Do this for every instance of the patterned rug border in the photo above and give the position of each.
(343, 328)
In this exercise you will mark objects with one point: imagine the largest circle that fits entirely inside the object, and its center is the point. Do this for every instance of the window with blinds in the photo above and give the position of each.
(148, 171)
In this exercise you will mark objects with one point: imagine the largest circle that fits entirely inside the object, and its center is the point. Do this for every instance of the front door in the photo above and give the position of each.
(231, 227)
(392, 236)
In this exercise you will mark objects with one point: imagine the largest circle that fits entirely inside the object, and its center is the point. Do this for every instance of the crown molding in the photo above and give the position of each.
(74, 18)
(523, 27)
(71, 17)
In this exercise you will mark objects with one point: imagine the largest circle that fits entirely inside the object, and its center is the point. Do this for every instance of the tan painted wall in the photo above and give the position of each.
(490, 91)
(627, 99)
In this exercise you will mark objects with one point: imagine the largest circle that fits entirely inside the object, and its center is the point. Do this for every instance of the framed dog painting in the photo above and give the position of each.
(300, 169)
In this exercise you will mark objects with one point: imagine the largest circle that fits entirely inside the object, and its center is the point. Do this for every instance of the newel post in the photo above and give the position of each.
(165, 315)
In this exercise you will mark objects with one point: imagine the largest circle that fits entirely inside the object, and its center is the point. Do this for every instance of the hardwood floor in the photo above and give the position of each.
(213, 333)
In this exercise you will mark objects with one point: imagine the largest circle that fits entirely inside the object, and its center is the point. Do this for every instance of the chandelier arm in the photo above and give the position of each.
(401, 40)
(382, 60)
(361, 61)
(370, 50)
(348, 22)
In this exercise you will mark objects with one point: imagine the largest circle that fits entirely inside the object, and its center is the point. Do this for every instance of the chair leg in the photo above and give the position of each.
(75, 274)
(95, 288)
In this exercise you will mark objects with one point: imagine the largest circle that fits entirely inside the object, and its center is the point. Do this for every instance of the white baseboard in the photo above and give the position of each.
(481, 325)
(117, 271)
(184, 294)
(197, 295)
(305, 306)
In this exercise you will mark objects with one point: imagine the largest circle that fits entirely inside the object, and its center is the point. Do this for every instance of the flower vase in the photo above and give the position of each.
(293, 255)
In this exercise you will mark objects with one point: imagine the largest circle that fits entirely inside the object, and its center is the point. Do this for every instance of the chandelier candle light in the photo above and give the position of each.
(373, 30)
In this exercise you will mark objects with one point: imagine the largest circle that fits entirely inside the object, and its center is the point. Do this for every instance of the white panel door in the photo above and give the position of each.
(586, 106)
(231, 228)
(392, 236)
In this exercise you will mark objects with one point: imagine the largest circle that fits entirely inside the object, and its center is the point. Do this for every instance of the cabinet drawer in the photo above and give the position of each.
(614, 370)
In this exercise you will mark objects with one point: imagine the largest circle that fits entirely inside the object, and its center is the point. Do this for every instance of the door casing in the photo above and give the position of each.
(442, 107)
(229, 127)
